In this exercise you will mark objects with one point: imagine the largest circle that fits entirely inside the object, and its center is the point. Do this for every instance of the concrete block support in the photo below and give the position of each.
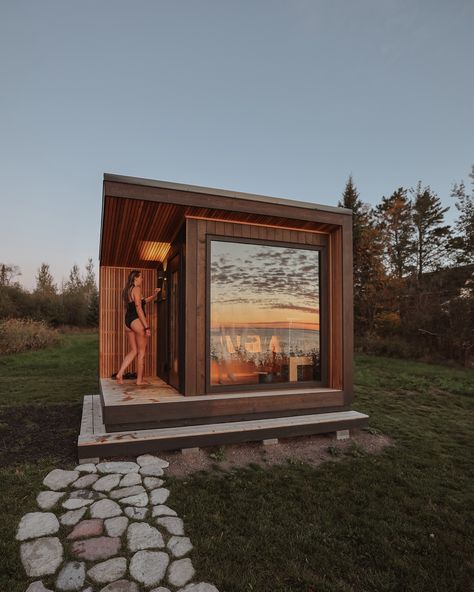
(190, 450)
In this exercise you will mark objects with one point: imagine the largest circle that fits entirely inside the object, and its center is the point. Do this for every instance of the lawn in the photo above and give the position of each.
(401, 520)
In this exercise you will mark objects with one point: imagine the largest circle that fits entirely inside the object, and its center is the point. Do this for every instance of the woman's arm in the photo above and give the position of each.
(137, 298)
(153, 296)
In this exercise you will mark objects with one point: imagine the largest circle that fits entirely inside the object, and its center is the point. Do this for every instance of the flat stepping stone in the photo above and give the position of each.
(121, 586)
(118, 467)
(140, 500)
(37, 524)
(159, 496)
(160, 589)
(37, 587)
(162, 511)
(127, 491)
(141, 535)
(108, 571)
(116, 526)
(105, 509)
(85, 481)
(58, 479)
(74, 504)
(173, 525)
(200, 587)
(136, 513)
(97, 548)
(150, 459)
(152, 482)
(71, 518)
(86, 494)
(87, 528)
(180, 572)
(41, 557)
(48, 499)
(179, 546)
(149, 567)
(131, 479)
(86, 468)
(151, 470)
(107, 483)
(71, 576)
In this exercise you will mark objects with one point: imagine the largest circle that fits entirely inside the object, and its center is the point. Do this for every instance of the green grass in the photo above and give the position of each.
(57, 374)
(401, 520)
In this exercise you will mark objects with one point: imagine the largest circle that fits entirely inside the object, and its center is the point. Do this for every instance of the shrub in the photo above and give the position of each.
(19, 335)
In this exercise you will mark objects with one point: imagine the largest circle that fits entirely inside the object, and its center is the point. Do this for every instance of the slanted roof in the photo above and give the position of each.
(140, 216)
(222, 193)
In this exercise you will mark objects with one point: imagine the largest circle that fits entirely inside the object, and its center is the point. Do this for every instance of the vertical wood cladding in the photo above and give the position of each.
(339, 302)
(113, 341)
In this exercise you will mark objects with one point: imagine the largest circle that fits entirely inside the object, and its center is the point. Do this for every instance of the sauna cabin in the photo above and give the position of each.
(251, 331)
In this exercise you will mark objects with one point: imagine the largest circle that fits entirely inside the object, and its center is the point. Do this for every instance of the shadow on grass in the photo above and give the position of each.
(34, 433)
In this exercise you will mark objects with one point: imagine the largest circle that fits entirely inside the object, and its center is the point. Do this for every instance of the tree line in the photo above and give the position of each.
(74, 303)
(413, 273)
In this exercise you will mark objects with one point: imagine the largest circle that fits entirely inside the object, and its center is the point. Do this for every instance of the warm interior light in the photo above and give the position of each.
(153, 251)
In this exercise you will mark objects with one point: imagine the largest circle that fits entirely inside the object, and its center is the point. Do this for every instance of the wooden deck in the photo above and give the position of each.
(95, 442)
(160, 405)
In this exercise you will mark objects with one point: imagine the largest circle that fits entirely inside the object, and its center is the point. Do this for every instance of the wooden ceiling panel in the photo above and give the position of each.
(135, 233)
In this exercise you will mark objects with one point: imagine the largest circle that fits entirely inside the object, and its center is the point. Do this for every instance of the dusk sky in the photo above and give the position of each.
(276, 98)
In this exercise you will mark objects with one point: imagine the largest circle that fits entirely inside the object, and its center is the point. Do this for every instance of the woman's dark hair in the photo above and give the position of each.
(131, 278)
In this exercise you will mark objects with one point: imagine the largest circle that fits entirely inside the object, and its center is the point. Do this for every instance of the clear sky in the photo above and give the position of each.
(278, 98)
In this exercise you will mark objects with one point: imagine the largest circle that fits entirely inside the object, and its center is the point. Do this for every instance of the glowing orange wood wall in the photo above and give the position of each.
(113, 342)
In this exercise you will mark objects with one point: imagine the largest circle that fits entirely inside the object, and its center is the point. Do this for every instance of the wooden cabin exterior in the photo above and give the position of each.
(251, 333)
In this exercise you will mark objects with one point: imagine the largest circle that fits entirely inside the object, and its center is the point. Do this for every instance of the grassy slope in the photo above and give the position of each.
(401, 520)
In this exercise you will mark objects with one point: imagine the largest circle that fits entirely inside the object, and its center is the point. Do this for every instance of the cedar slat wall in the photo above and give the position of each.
(196, 231)
(113, 342)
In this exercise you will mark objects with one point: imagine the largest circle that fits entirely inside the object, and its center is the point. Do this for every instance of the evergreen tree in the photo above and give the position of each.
(463, 242)
(44, 281)
(74, 283)
(394, 215)
(89, 281)
(431, 238)
(368, 272)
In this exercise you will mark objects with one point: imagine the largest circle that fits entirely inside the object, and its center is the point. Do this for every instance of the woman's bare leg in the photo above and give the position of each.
(141, 345)
(132, 342)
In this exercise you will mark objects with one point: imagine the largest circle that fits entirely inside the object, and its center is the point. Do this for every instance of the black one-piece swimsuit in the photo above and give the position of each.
(132, 313)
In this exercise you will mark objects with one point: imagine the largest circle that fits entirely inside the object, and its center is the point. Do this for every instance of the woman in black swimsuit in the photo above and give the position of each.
(136, 325)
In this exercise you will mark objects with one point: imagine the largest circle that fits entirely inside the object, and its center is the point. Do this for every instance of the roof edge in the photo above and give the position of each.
(223, 192)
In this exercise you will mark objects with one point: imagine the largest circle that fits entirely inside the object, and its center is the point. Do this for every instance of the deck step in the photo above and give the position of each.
(94, 441)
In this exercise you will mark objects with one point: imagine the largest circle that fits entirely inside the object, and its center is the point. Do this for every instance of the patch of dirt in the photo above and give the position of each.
(30, 433)
(313, 449)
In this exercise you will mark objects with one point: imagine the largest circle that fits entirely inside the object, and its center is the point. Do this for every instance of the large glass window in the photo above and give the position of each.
(264, 314)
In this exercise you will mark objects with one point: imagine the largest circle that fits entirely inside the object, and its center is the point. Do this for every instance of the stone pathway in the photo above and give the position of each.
(106, 528)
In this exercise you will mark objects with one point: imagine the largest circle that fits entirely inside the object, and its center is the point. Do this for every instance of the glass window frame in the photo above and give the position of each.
(323, 310)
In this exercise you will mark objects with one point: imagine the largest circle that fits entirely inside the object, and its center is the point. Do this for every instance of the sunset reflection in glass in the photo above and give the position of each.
(264, 314)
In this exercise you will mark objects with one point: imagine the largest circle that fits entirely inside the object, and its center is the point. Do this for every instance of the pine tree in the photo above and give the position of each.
(368, 273)
(44, 280)
(463, 242)
(89, 281)
(431, 238)
(74, 283)
(395, 219)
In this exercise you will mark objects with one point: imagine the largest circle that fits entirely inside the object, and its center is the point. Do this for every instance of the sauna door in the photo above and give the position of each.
(174, 320)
